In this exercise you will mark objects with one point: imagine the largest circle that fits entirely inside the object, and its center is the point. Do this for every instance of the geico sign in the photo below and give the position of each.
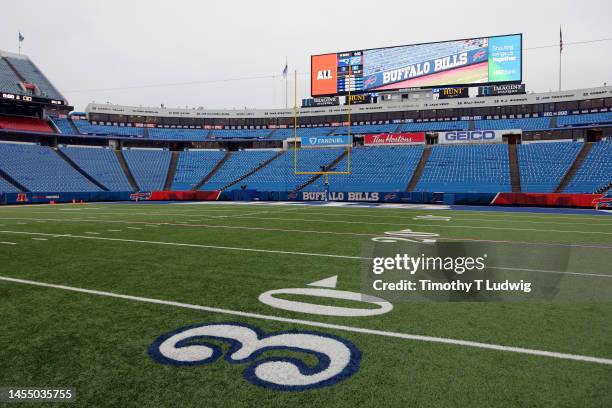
(470, 136)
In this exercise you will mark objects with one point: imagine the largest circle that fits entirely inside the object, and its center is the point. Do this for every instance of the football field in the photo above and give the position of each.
(228, 305)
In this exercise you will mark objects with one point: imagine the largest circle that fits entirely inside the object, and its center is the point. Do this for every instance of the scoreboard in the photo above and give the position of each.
(473, 61)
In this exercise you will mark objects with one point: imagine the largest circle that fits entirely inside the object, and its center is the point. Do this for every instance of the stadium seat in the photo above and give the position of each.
(193, 166)
(24, 123)
(101, 164)
(279, 174)
(434, 126)
(584, 119)
(387, 169)
(193, 135)
(595, 172)
(149, 167)
(543, 165)
(524, 124)
(238, 164)
(466, 168)
(40, 169)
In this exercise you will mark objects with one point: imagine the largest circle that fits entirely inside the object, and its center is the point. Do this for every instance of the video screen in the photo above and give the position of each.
(474, 61)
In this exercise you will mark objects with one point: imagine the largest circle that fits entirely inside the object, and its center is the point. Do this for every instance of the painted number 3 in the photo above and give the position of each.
(337, 358)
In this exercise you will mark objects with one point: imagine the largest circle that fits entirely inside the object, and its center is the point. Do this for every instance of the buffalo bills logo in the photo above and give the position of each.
(369, 81)
(140, 196)
(479, 55)
(292, 195)
(389, 197)
(337, 358)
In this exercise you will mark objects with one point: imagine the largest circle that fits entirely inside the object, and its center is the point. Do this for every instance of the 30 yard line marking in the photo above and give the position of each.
(271, 251)
(353, 329)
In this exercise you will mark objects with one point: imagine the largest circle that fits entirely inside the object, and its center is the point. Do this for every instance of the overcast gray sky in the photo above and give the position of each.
(88, 47)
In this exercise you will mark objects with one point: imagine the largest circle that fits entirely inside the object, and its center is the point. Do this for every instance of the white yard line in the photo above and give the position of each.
(40, 239)
(92, 233)
(352, 329)
(8, 243)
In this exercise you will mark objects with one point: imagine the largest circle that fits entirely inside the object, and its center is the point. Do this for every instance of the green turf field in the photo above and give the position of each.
(154, 269)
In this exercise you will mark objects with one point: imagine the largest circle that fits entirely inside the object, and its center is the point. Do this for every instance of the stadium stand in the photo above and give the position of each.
(6, 187)
(595, 172)
(524, 124)
(543, 165)
(24, 123)
(178, 134)
(240, 133)
(433, 126)
(362, 129)
(279, 174)
(87, 128)
(237, 165)
(374, 169)
(101, 164)
(282, 134)
(467, 168)
(63, 124)
(32, 75)
(149, 167)
(193, 166)
(585, 119)
(9, 81)
(39, 168)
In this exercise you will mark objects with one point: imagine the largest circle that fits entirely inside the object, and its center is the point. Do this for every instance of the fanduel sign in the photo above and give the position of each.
(476, 136)
(326, 141)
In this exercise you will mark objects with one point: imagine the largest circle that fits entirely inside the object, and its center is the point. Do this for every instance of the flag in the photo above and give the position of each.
(285, 70)
(560, 40)
(21, 38)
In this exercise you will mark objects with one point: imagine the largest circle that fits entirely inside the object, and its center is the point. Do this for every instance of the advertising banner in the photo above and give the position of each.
(451, 93)
(326, 141)
(475, 136)
(493, 90)
(385, 139)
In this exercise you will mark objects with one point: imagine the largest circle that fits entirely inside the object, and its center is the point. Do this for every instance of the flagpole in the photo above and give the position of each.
(560, 52)
(19, 42)
(286, 81)
(560, 71)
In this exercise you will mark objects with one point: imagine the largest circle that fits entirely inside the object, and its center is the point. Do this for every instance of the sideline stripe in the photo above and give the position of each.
(271, 251)
(406, 336)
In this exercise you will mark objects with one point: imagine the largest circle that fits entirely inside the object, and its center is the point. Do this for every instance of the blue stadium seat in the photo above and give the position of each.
(6, 187)
(524, 124)
(63, 125)
(596, 170)
(149, 167)
(237, 165)
(193, 135)
(374, 169)
(281, 134)
(32, 75)
(104, 130)
(101, 164)
(584, 119)
(279, 174)
(435, 126)
(193, 166)
(240, 133)
(543, 165)
(40, 169)
(466, 168)
(362, 129)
